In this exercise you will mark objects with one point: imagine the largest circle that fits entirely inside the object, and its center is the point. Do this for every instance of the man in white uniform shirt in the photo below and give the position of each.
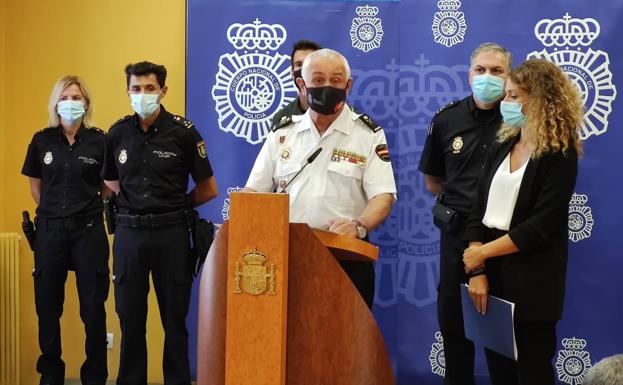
(349, 187)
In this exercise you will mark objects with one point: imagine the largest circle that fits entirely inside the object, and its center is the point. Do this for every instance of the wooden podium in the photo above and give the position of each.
(276, 308)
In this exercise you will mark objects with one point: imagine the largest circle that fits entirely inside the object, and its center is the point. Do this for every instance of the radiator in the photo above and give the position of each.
(9, 309)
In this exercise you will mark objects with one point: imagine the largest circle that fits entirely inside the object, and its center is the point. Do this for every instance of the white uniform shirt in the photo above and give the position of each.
(348, 172)
(503, 195)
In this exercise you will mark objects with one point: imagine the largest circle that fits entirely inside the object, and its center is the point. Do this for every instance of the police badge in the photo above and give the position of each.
(123, 156)
(449, 23)
(254, 82)
(366, 31)
(47, 159)
(589, 70)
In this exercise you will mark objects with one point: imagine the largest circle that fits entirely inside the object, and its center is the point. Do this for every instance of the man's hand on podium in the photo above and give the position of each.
(343, 226)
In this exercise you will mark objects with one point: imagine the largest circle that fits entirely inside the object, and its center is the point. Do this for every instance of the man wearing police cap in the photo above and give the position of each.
(349, 187)
(149, 157)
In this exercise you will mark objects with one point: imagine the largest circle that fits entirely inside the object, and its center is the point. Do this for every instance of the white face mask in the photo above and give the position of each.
(145, 104)
(70, 110)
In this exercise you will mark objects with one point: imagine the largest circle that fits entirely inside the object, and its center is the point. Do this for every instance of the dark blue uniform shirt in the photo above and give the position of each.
(458, 140)
(153, 167)
(70, 174)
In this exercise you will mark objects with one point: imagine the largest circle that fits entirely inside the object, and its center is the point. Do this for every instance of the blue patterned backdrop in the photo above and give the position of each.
(410, 58)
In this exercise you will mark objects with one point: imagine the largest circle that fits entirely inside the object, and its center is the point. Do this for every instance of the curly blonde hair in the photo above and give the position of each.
(554, 110)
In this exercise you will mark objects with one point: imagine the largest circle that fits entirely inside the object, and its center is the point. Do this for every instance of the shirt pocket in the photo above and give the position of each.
(344, 183)
(346, 169)
(284, 172)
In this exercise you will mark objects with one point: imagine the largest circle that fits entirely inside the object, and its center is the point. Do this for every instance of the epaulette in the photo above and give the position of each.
(96, 129)
(44, 130)
(121, 120)
(183, 121)
(449, 105)
(369, 122)
(285, 120)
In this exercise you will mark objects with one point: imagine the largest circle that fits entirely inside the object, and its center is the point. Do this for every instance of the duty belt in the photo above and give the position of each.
(69, 223)
(153, 220)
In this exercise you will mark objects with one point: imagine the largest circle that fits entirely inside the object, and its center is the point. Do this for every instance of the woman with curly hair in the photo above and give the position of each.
(517, 230)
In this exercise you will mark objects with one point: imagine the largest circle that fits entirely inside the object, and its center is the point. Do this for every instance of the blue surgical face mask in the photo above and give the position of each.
(70, 110)
(487, 88)
(512, 115)
(145, 104)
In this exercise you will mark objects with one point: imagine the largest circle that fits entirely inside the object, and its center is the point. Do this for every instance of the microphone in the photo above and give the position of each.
(310, 159)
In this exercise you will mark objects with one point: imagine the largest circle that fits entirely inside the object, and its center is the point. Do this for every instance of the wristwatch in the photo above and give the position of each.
(361, 229)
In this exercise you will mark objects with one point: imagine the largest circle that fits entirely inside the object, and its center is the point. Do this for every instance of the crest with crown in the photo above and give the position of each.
(449, 24)
(573, 343)
(578, 200)
(367, 11)
(449, 5)
(437, 356)
(589, 69)
(254, 81)
(567, 32)
(255, 258)
(366, 30)
(573, 362)
(256, 36)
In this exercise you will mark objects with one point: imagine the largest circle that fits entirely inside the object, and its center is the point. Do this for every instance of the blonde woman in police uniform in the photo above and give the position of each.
(349, 186)
(63, 164)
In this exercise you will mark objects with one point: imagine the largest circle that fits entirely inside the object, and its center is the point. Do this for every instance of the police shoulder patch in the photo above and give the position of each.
(183, 121)
(374, 126)
(383, 152)
(285, 121)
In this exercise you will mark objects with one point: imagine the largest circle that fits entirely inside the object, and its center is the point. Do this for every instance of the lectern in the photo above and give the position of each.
(276, 308)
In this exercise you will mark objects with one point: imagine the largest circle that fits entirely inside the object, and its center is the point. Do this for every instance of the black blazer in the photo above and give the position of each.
(534, 277)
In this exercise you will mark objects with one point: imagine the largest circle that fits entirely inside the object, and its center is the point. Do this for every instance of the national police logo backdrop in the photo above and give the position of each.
(366, 31)
(253, 82)
(408, 59)
(589, 70)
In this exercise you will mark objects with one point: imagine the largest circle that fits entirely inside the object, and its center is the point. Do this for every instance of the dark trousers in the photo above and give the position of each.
(165, 252)
(84, 250)
(362, 276)
(536, 346)
(458, 350)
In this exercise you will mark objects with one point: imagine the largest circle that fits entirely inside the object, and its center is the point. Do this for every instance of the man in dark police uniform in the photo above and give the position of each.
(149, 157)
(458, 139)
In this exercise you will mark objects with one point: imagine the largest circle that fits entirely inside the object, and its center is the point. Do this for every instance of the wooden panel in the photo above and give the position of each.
(213, 313)
(332, 336)
(257, 323)
(349, 249)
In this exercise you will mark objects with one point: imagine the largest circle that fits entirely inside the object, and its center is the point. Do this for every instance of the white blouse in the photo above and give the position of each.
(503, 195)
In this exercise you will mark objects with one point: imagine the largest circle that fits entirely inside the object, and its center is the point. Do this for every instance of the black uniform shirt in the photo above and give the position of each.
(153, 167)
(70, 175)
(294, 108)
(458, 140)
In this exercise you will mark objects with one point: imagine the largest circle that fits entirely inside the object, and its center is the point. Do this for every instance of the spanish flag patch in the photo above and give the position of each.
(383, 152)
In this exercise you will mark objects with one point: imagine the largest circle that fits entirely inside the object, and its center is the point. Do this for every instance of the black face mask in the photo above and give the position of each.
(326, 100)
(297, 74)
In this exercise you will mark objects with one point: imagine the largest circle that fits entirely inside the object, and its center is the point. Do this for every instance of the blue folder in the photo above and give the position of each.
(495, 328)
